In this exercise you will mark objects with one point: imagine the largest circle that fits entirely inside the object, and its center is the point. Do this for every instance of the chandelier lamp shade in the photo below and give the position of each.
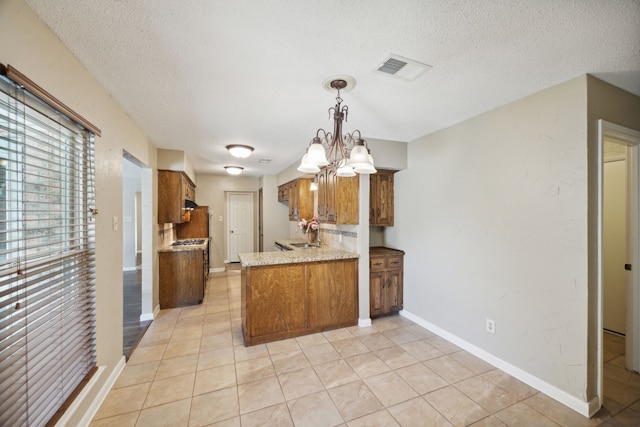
(347, 154)
(240, 151)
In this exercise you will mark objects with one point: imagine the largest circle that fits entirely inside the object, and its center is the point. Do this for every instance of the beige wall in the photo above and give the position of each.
(211, 191)
(27, 44)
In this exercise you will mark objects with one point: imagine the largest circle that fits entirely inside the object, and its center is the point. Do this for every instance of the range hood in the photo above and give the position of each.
(189, 204)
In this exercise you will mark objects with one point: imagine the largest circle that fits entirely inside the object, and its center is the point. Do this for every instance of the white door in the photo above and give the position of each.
(239, 225)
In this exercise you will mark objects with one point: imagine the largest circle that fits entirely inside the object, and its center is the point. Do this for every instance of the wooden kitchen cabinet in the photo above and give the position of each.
(381, 198)
(386, 271)
(289, 300)
(299, 196)
(337, 198)
(173, 189)
(182, 277)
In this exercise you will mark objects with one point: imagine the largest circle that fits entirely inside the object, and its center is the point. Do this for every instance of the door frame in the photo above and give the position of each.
(630, 138)
(228, 195)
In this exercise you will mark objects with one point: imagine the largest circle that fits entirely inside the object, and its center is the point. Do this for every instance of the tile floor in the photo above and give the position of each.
(192, 369)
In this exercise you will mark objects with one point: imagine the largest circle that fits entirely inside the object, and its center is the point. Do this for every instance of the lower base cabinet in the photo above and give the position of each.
(386, 270)
(290, 300)
(182, 278)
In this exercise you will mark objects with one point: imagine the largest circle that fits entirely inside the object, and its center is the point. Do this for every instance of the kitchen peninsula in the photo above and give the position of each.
(298, 291)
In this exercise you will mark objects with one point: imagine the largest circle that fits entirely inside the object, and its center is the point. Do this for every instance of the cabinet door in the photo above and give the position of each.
(376, 286)
(332, 293)
(276, 297)
(331, 182)
(393, 291)
(381, 198)
(322, 195)
(294, 212)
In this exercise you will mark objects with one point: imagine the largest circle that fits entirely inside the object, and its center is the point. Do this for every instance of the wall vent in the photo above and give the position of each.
(403, 68)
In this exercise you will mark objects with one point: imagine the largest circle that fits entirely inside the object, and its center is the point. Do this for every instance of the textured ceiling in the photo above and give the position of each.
(201, 74)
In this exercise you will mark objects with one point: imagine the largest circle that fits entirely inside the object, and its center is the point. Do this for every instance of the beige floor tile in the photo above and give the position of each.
(177, 366)
(170, 390)
(560, 413)
(378, 419)
(314, 410)
(400, 336)
(416, 412)
(214, 407)
(321, 353)
(124, 420)
(299, 383)
(259, 394)
(122, 400)
(455, 406)
(289, 361)
(282, 346)
(472, 362)
(212, 358)
(216, 340)
(486, 394)
(273, 416)
(151, 338)
(335, 373)
(395, 357)
(367, 365)
(508, 383)
(192, 311)
(213, 379)
(382, 324)
(521, 414)
(622, 375)
(254, 369)
(627, 417)
(419, 331)
(350, 347)
(422, 379)
(443, 345)
(311, 340)
(337, 334)
(376, 341)
(245, 353)
(167, 415)
(449, 369)
(359, 331)
(354, 400)
(186, 333)
(147, 354)
(188, 322)
(421, 350)
(491, 421)
(181, 348)
(137, 374)
(390, 389)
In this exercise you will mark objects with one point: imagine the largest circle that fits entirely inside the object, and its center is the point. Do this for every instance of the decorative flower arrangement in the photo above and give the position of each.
(308, 224)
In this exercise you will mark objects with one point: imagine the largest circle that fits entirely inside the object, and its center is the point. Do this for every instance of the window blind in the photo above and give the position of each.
(47, 257)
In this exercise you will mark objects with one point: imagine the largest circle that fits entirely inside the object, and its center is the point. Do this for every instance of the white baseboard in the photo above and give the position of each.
(129, 268)
(364, 322)
(217, 270)
(586, 409)
(100, 397)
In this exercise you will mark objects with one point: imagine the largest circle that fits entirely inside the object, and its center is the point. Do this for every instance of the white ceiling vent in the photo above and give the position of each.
(403, 68)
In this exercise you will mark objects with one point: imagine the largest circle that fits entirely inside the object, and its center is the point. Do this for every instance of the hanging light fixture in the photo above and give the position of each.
(348, 154)
(239, 151)
(234, 170)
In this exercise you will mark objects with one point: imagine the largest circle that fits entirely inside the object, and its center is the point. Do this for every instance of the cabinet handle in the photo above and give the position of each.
(378, 211)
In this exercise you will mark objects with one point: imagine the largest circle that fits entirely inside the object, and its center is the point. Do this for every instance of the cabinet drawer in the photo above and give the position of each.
(394, 262)
(376, 264)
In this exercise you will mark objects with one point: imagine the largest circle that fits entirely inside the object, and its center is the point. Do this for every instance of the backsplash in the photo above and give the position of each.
(343, 237)
(166, 234)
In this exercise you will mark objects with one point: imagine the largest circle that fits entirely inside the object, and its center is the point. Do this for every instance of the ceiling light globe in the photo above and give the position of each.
(345, 170)
(316, 154)
(234, 170)
(240, 151)
(306, 166)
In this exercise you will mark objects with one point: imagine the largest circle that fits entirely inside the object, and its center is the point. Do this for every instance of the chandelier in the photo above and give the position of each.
(346, 155)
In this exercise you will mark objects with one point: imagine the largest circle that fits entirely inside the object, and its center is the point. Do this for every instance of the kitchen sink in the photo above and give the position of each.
(305, 245)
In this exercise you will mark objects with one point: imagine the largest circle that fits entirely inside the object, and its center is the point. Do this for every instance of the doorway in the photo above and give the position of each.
(137, 257)
(240, 218)
(619, 161)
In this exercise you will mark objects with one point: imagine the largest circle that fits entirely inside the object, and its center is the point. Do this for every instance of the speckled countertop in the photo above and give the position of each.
(181, 248)
(295, 255)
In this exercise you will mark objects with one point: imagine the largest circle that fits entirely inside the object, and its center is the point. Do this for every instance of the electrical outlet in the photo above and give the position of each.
(491, 326)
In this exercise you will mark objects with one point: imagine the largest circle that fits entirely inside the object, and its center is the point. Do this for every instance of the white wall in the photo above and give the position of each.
(492, 214)
(130, 186)
(275, 214)
(27, 44)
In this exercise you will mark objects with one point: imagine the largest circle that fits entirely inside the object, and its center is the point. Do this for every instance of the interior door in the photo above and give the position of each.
(240, 225)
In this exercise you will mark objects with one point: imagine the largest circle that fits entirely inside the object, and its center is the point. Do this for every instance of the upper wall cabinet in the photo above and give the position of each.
(337, 198)
(299, 196)
(173, 189)
(381, 198)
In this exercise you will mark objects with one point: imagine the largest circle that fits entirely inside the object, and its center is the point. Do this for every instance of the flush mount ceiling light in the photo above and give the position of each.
(240, 151)
(348, 154)
(234, 170)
